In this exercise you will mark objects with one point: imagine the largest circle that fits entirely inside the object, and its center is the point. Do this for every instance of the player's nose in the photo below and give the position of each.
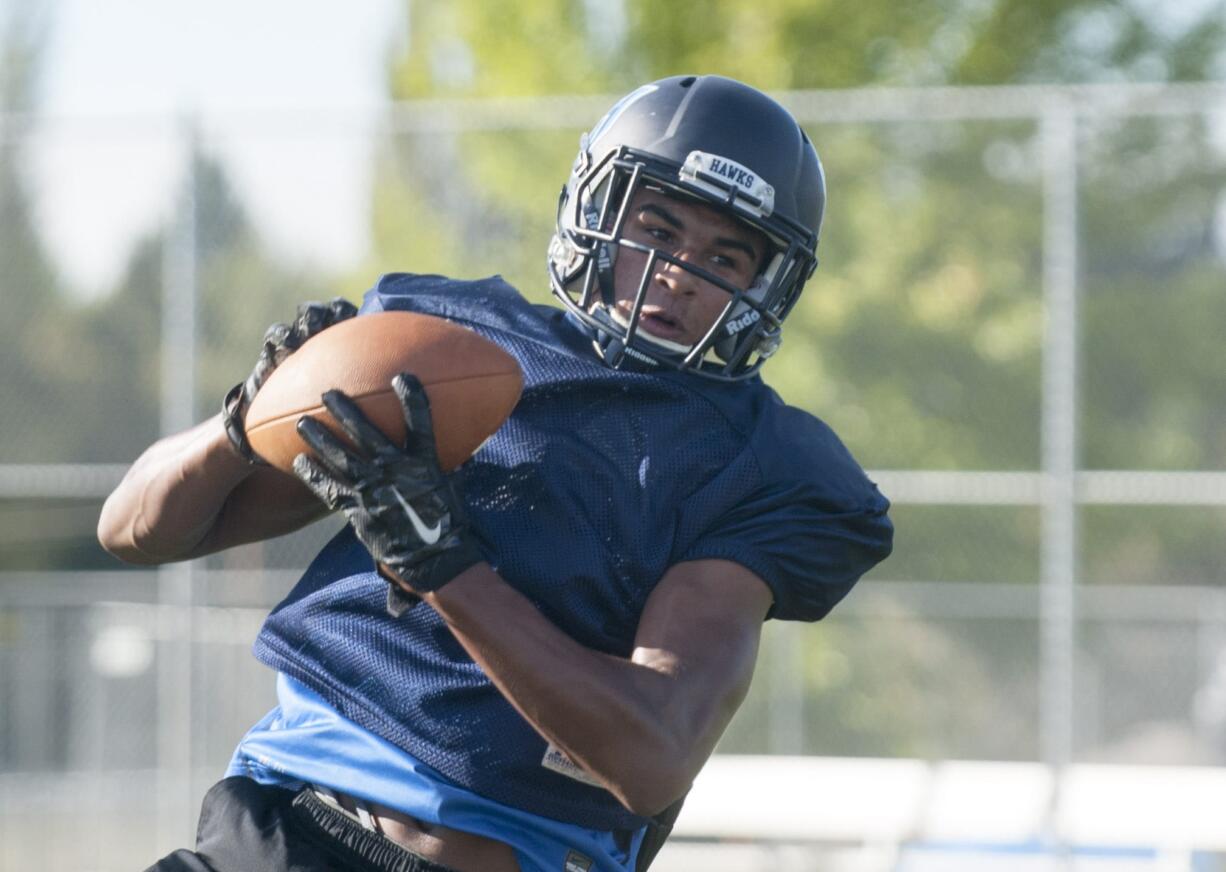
(675, 277)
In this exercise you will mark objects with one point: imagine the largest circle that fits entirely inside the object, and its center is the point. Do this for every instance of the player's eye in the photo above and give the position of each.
(726, 263)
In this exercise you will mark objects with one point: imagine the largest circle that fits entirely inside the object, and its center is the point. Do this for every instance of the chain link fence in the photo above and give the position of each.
(1015, 326)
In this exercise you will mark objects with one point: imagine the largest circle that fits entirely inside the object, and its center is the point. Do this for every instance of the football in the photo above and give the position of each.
(472, 384)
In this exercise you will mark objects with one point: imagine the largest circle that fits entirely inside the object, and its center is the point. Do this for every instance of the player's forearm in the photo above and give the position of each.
(192, 494)
(170, 499)
(611, 715)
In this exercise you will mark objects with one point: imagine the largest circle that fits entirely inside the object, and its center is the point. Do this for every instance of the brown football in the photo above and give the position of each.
(472, 384)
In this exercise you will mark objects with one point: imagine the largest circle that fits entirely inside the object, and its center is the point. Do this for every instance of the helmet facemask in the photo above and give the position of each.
(592, 217)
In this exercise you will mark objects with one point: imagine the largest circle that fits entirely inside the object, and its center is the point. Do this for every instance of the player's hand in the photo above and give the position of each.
(280, 341)
(403, 508)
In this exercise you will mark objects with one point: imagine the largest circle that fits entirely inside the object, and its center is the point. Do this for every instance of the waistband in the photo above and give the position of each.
(380, 852)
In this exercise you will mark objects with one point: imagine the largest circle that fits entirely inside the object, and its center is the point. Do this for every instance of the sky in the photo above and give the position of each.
(285, 92)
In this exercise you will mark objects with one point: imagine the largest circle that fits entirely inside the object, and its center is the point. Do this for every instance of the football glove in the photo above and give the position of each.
(402, 507)
(280, 341)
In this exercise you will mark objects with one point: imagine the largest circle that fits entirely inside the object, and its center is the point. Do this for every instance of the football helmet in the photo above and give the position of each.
(703, 139)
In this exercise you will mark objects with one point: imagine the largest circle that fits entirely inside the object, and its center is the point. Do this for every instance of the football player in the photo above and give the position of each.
(523, 665)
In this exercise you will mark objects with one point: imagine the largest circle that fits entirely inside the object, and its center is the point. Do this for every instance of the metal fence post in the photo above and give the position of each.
(1058, 560)
(175, 581)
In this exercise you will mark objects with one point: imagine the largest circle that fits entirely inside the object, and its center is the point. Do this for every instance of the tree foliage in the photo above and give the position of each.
(82, 380)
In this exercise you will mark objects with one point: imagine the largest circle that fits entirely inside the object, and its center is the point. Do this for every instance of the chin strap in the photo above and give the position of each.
(617, 355)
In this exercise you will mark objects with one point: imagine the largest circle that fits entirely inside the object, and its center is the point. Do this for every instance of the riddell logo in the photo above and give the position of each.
(736, 325)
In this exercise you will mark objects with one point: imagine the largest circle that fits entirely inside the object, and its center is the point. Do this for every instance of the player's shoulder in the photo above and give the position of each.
(419, 291)
(795, 447)
(491, 305)
(795, 507)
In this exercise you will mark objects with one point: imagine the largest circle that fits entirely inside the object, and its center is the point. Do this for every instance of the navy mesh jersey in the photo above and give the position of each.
(599, 482)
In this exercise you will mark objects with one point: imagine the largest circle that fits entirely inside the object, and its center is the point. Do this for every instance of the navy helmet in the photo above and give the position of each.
(701, 138)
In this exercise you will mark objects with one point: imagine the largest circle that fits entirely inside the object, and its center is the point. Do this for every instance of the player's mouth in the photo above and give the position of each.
(659, 323)
(655, 325)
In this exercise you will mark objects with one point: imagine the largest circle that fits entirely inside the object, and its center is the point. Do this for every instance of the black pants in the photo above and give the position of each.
(250, 827)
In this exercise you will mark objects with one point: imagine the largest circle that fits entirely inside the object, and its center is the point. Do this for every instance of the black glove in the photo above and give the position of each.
(280, 341)
(405, 511)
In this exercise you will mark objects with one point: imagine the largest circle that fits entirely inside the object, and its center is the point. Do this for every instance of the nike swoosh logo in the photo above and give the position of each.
(428, 535)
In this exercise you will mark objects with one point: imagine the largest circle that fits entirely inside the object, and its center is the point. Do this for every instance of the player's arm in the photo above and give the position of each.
(201, 490)
(643, 726)
(193, 493)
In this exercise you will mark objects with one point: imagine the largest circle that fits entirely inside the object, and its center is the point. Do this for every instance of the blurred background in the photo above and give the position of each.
(1017, 327)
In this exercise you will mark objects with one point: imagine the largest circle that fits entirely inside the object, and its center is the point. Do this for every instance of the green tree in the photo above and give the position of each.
(29, 284)
(107, 354)
(90, 374)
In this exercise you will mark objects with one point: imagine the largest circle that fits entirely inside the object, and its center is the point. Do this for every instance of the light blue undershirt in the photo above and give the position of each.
(304, 740)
